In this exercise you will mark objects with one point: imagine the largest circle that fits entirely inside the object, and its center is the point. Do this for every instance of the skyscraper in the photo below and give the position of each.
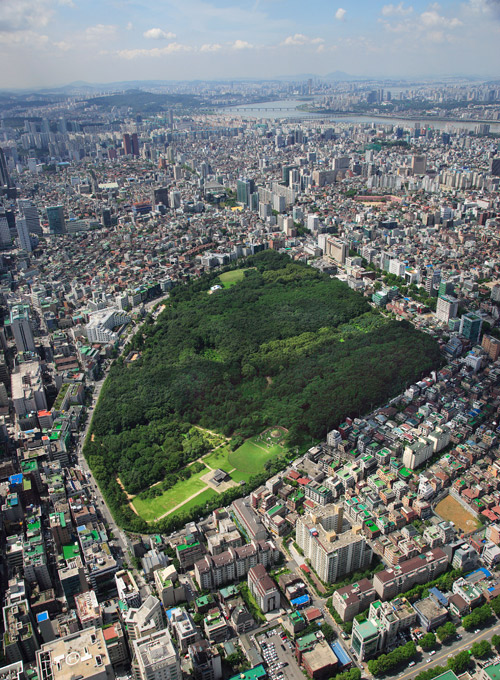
(30, 212)
(127, 144)
(23, 234)
(4, 173)
(419, 164)
(134, 140)
(57, 223)
(21, 328)
(244, 189)
(5, 237)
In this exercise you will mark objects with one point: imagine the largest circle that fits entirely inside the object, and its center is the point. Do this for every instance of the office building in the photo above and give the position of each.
(145, 620)
(55, 216)
(183, 628)
(5, 237)
(381, 627)
(491, 345)
(495, 166)
(101, 323)
(205, 660)
(419, 164)
(336, 250)
(80, 655)
(30, 213)
(244, 189)
(23, 234)
(155, 658)
(20, 641)
(331, 554)
(5, 180)
(21, 328)
(470, 327)
(116, 644)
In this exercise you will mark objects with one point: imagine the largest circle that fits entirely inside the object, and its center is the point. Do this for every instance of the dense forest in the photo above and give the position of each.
(286, 346)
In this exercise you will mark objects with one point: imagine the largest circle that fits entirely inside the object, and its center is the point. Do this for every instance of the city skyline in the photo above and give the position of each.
(55, 42)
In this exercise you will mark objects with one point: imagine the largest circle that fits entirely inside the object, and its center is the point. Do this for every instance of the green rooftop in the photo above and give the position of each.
(70, 551)
(257, 673)
(185, 546)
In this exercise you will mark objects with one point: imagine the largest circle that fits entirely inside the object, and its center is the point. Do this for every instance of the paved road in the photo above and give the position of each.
(441, 656)
(118, 534)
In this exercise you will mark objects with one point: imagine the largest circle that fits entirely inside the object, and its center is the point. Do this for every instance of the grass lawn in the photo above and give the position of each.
(228, 279)
(152, 508)
(219, 459)
(251, 457)
(199, 500)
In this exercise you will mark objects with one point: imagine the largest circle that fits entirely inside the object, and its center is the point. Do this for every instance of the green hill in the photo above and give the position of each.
(285, 346)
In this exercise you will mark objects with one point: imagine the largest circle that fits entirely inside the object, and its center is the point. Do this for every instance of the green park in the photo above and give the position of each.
(241, 465)
(237, 381)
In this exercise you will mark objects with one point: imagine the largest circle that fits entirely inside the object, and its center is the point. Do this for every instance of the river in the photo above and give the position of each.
(287, 108)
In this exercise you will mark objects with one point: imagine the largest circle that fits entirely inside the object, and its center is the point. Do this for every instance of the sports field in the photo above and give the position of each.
(228, 279)
(251, 457)
(449, 508)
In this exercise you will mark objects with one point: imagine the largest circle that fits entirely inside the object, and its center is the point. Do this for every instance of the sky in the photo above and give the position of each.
(45, 43)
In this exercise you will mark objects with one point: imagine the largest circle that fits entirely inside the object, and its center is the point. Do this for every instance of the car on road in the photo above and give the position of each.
(412, 663)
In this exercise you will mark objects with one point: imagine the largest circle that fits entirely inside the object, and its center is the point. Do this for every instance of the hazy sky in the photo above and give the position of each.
(51, 42)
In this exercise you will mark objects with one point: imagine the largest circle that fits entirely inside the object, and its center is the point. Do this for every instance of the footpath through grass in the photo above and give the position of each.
(152, 508)
(248, 460)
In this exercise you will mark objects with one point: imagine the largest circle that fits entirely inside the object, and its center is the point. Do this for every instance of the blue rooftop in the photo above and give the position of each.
(16, 479)
(340, 653)
(42, 616)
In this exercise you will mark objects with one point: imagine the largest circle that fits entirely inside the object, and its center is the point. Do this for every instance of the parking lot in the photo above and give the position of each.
(279, 656)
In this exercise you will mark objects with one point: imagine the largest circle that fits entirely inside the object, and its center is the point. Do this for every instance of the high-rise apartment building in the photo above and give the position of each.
(447, 308)
(331, 554)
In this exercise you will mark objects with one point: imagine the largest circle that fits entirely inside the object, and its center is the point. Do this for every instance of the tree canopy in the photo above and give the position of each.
(285, 346)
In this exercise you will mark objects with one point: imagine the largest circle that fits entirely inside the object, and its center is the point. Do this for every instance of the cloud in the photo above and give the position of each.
(485, 7)
(429, 25)
(396, 10)
(158, 34)
(63, 45)
(67, 3)
(155, 52)
(27, 38)
(21, 15)
(100, 32)
(340, 14)
(210, 47)
(431, 18)
(241, 45)
(300, 39)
